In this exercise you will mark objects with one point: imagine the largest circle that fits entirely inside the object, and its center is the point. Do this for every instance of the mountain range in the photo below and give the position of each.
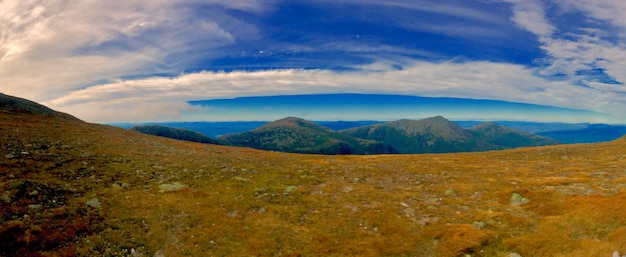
(300, 136)
(431, 135)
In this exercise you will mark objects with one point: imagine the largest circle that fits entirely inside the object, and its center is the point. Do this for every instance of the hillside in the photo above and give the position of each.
(300, 136)
(505, 138)
(175, 133)
(70, 188)
(10, 105)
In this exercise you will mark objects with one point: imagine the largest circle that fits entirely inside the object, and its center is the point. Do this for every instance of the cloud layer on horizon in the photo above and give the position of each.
(142, 60)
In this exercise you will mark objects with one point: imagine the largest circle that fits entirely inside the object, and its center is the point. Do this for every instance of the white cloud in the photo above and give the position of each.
(480, 80)
(530, 15)
(50, 48)
(583, 50)
(604, 10)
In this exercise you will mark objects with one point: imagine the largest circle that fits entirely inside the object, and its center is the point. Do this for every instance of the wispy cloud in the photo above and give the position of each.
(530, 15)
(588, 49)
(53, 47)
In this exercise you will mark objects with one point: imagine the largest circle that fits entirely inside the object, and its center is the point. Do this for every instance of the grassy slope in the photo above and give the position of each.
(246, 202)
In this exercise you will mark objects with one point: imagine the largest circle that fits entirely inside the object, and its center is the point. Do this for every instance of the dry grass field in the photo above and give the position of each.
(70, 188)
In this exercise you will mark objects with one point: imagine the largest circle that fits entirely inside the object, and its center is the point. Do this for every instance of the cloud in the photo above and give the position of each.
(50, 48)
(530, 15)
(589, 49)
(480, 80)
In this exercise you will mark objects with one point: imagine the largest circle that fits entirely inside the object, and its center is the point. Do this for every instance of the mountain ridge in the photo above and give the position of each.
(301, 136)
(430, 135)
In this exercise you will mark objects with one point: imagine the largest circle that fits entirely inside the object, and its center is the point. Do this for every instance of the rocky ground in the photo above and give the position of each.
(69, 188)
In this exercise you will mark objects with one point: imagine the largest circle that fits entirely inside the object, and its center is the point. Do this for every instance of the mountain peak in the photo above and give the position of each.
(16, 105)
(293, 122)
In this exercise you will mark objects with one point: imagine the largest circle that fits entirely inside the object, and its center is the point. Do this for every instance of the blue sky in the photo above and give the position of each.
(140, 60)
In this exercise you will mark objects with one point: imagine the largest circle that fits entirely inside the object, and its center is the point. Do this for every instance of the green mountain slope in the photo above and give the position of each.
(431, 135)
(174, 133)
(439, 135)
(508, 138)
(300, 136)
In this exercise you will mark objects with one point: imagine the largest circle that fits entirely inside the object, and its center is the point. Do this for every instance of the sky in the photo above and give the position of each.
(144, 60)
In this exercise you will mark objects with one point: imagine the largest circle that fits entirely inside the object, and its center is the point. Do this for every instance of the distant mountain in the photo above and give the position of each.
(431, 135)
(301, 136)
(175, 133)
(16, 105)
(505, 137)
(439, 135)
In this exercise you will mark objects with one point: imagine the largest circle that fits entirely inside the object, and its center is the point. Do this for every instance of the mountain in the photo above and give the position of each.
(174, 133)
(15, 106)
(300, 136)
(71, 188)
(431, 135)
(439, 135)
(505, 137)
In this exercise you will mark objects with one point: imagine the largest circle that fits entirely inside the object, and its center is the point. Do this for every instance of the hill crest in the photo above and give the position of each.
(19, 106)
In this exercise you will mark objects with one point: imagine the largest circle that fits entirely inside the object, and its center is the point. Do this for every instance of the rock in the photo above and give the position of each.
(479, 224)
(449, 192)
(514, 255)
(290, 189)
(9, 156)
(35, 206)
(615, 254)
(163, 188)
(517, 199)
(94, 203)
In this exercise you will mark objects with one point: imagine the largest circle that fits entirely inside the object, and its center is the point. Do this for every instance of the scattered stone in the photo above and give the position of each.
(242, 179)
(121, 185)
(25, 153)
(449, 192)
(517, 199)
(94, 203)
(34, 192)
(514, 255)
(409, 212)
(290, 189)
(35, 206)
(171, 187)
(9, 156)
(479, 224)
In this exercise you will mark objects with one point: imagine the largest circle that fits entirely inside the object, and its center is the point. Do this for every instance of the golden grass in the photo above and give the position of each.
(243, 202)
